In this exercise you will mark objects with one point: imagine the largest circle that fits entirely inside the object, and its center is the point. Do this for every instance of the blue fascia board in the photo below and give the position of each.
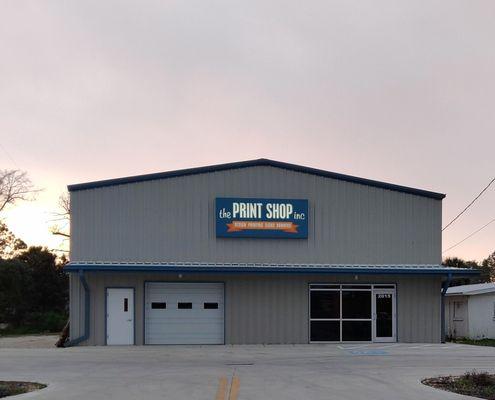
(254, 163)
(271, 270)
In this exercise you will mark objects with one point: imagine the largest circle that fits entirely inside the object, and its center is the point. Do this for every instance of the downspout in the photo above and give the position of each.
(445, 286)
(85, 336)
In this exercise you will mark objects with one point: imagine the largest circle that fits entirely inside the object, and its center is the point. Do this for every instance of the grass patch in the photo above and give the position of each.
(37, 323)
(478, 342)
(11, 388)
(474, 383)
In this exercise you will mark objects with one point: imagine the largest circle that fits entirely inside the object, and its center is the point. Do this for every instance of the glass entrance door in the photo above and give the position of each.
(384, 315)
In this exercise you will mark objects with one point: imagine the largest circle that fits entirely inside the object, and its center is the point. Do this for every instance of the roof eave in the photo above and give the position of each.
(114, 267)
(473, 293)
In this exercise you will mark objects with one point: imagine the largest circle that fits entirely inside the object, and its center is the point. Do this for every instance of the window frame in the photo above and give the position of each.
(367, 287)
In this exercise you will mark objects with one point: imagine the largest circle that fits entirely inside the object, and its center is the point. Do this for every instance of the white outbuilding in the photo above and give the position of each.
(470, 311)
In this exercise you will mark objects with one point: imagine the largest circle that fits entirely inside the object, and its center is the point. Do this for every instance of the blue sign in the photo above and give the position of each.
(263, 218)
(368, 352)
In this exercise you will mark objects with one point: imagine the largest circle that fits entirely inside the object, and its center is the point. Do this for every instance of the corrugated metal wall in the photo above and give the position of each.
(76, 306)
(266, 308)
(174, 220)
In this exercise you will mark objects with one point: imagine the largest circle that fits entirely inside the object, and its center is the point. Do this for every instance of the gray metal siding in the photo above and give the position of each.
(265, 308)
(173, 220)
(76, 307)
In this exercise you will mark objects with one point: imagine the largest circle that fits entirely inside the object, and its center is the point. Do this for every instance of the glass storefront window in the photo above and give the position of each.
(325, 331)
(356, 331)
(345, 312)
(356, 304)
(325, 304)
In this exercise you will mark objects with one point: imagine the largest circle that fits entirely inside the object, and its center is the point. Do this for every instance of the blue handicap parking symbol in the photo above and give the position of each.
(368, 352)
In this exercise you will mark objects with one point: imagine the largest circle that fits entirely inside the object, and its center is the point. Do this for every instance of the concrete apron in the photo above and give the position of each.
(370, 371)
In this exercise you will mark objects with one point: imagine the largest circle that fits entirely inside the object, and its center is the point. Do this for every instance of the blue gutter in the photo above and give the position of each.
(445, 286)
(85, 336)
(287, 270)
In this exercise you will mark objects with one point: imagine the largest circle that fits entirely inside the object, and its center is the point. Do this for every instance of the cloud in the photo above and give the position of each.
(394, 90)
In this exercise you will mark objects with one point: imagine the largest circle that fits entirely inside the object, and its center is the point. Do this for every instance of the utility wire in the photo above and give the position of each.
(467, 237)
(469, 205)
(8, 155)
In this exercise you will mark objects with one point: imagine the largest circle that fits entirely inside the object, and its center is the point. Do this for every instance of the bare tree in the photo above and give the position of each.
(62, 218)
(15, 185)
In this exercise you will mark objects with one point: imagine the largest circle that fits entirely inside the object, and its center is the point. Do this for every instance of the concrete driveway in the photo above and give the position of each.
(284, 372)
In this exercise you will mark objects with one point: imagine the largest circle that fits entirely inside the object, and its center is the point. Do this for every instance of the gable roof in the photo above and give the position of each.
(470, 290)
(254, 163)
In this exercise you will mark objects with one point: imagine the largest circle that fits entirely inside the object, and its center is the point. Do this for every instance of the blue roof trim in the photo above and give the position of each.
(254, 163)
(261, 269)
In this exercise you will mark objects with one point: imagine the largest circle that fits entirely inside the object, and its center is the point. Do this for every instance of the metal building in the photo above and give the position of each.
(255, 252)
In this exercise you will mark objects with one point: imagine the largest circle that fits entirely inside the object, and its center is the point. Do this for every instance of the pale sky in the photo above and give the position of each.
(399, 91)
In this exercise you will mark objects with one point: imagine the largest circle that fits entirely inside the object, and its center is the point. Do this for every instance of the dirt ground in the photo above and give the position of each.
(28, 342)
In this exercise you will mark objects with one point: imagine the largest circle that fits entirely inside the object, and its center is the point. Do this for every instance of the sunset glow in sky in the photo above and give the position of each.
(399, 91)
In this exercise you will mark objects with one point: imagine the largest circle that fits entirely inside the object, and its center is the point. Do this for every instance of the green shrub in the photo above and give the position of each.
(33, 292)
(46, 321)
(473, 383)
(476, 378)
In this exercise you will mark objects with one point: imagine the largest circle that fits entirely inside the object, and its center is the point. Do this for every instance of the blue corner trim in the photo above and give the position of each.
(445, 286)
(282, 270)
(255, 163)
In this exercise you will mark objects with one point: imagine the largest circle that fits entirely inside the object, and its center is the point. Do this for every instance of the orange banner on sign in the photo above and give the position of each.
(237, 226)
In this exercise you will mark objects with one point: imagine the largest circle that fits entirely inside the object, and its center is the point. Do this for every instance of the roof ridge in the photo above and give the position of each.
(254, 163)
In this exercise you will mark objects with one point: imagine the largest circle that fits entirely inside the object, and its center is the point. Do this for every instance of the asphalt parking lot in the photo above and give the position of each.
(391, 371)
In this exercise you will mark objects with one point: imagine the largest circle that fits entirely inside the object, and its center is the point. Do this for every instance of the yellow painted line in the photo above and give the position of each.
(222, 387)
(234, 388)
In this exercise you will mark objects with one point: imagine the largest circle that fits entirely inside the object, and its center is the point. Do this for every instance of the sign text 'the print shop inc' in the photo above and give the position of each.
(263, 218)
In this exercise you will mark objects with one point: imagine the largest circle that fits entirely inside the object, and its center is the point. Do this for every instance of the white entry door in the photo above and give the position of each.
(120, 316)
(384, 315)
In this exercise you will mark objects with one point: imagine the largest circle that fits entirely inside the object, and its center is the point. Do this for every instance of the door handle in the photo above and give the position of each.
(129, 320)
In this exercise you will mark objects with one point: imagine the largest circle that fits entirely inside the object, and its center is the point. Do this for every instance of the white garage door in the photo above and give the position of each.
(184, 313)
